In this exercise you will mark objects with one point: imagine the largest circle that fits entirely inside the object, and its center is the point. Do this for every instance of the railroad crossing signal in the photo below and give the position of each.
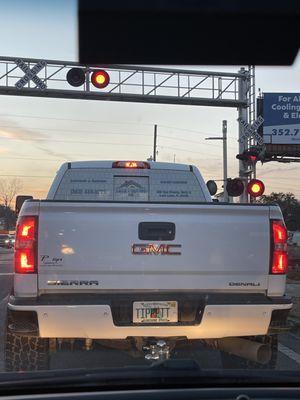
(76, 77)
(235, 187)
(250, 130)
(30, 74)
(100, 79)
(255, 188)
(129, 83)
(252, 155)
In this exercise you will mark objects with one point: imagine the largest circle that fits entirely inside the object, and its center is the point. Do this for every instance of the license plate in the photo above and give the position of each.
(155, 312)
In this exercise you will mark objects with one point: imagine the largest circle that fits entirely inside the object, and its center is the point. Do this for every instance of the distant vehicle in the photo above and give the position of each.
(138, 249)
(7, 241)
(294, 249)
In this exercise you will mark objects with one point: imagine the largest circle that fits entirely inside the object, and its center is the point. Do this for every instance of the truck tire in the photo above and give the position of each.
(25, 353)
(230, 361)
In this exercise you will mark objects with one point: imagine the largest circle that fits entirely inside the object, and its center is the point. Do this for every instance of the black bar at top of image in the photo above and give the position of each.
(260, 32)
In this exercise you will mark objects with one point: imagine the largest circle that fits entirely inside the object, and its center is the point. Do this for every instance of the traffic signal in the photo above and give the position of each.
(212, 187)
(255, 188)
(100, 78)
(251, 155)
(76, 77)
(235, 187)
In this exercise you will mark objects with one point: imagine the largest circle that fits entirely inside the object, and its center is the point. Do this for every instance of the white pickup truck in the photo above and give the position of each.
(138, 250)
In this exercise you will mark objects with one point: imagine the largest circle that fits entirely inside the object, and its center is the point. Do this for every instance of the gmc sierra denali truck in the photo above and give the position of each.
(136, 250)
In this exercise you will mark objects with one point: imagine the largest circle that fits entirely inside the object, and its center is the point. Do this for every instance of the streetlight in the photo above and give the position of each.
(224, 138)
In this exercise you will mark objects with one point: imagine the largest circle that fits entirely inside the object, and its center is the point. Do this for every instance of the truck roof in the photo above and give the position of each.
(108, 164)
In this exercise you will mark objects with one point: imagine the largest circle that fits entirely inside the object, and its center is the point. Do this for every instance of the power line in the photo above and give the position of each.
(29, 159)
(103, 122)
(75, 120)
(192, 141)
(186, 130)
(72, 131)
(180, 149)
(73, 141)
(27, 176)
(98, 143)
(111, 133)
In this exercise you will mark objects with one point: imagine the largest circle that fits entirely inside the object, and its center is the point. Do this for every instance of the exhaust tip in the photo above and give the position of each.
(264, 354)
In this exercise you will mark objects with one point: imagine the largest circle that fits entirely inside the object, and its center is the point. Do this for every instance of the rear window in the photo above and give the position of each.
(91, 184)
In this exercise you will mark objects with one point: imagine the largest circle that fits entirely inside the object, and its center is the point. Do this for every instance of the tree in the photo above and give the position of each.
(289, 205)
(8, 190)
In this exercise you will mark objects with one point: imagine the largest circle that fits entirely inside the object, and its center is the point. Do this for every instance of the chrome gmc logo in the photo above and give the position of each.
(156, 249)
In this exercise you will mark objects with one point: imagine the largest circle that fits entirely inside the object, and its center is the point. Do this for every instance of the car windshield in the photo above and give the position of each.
(147, 213)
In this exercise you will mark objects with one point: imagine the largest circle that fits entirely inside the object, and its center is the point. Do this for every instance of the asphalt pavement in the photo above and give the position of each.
(102, 356)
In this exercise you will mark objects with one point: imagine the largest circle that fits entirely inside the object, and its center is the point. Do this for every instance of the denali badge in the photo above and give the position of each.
(156, 249)
(244, 283)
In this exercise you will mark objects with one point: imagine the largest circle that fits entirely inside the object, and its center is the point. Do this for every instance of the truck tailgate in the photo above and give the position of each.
(89, 247)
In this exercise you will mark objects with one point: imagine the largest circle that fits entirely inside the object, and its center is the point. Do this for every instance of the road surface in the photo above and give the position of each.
(288, 354)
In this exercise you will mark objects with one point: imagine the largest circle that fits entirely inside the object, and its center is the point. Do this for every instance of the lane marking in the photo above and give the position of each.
(294, 336)
(289, 353)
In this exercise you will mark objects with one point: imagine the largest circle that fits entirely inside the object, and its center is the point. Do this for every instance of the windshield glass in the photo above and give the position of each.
(146, 212)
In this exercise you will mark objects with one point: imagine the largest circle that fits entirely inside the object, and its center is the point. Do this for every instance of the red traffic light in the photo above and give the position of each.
(255, 188)
(100, 79)
(251, 155)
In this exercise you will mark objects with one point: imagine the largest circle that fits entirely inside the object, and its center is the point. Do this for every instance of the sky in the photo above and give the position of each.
(34, 132)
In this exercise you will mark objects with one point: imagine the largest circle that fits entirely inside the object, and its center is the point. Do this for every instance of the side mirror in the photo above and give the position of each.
(19, 202)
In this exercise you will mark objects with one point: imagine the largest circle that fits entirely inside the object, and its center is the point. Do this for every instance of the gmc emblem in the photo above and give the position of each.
(156, 249)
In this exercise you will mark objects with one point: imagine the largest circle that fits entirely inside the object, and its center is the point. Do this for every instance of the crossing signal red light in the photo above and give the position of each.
(100, 79)
(235, 187)
(255, 188)
(251, 155)
(76, 77)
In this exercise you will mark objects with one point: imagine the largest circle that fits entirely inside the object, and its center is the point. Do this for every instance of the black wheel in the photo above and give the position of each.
(230, 361)
(25, 353)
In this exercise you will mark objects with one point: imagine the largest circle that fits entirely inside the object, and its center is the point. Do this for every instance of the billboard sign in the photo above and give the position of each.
(281, 118)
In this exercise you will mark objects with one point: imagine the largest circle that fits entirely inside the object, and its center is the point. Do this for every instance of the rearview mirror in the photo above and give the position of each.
(19, 202)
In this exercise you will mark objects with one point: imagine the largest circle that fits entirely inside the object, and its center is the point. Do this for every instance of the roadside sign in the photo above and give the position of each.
(281, 118)
(30, 74)
(251, 130)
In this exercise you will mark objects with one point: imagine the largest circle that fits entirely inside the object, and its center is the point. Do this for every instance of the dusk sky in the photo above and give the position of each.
(34, 132)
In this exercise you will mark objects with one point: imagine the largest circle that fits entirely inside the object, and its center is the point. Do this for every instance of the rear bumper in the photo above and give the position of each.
(89, 317)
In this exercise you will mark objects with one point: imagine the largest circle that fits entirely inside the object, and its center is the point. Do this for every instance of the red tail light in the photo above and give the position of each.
(280, 256)
(26, 245)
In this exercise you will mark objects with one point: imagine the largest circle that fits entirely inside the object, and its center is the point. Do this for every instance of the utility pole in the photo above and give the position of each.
(243, 114)
(224, 130)
(155, 142)
(224, 139)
